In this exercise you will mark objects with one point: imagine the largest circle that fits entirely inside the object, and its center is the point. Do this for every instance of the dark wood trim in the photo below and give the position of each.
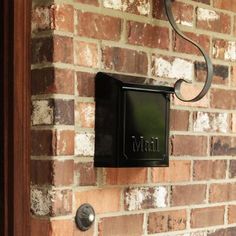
(16, 116)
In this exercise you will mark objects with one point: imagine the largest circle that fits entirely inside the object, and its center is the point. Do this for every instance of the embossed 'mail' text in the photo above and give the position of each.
(140, 144)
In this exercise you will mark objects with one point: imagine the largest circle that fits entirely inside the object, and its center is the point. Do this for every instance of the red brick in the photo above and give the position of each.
(223, 99)
(40, 227)
(85, 114)
(98, 26)
(213, 21)
(103, 200)
(227, 5)
(223, 232)
(62, 227)
(85, 174)
(188, 195)
(137, 198)
(232, 169)
(178, 171)
(121, 225)
(179, 120)
(42, 18)
(61, 203)
(85, 84)
(224, 50)
(220, 76)
(204, 217)
(206, 170)
(203, 1)
(62, 49)
(201, 39)
(183, 13)
(233, 76)
(232, 214)
(148, 35)
(124, 60)
(223, 146)
(222, 192)
(64, 17)
(159, 222)
(41, 142)
(52, 80)
(64, 143)
(183, 145)
(126, 176)
(86, 54)
(90, 2)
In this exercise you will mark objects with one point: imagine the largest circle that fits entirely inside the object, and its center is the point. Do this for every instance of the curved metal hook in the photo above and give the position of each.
(209, 76)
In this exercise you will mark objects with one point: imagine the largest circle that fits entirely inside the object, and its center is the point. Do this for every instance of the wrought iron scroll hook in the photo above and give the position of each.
(209, 76)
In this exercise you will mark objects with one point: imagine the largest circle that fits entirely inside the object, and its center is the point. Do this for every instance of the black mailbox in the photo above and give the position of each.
(131, 124)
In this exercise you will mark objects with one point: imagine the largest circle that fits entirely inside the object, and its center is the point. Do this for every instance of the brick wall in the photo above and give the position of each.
(74, 39)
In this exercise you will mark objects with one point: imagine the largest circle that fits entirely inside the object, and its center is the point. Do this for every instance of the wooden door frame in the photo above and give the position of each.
(15, 117)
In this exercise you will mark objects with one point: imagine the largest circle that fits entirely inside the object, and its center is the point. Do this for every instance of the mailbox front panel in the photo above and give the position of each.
(145, 128)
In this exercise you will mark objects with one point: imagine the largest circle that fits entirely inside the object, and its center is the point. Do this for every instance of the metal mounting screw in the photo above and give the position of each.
(85, 217)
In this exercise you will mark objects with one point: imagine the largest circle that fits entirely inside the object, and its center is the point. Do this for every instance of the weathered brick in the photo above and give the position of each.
(210, 122)
(182, 145)
(166, 221)
(145, 198)
(224, 50)
(103, 200)
(203, 217)
(179, 120)
(223, 232)
(188, 194)
(223, 99)
(125, 176)
(85, 114)
(147, 35)
(84, 144)
(220, 73)
(172, 67)
(61, 203)
(86, 54)
(232, 214)
(64, 17)
(223, 146)
(234, 30)
(98, 26)
(85, 174)
(121, 225)
(183, 13)
(227, 5)
(140, 7)
(206, 170)
(85, 84)
(213, 20)
(172, 173)
(52, 111)
(232, 169)
(201, 39)
(52, 80)
(62, 227)
(222, 192)
(45, 202)
(42, 18)
(124, 60)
